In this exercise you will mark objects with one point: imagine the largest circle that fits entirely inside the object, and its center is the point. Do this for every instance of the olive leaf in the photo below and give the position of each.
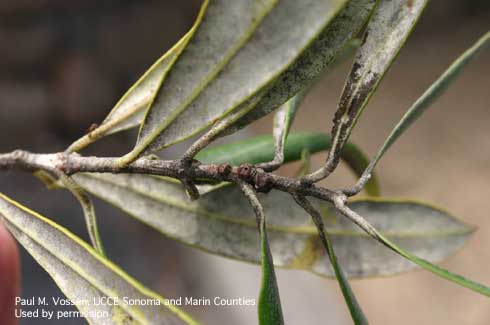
(424, 102)
(222, 222)
(239, 47)
(88, 211)
(333, 45)
(420, 261)
(439, 271)
(84, 275)
(282, 123)
(386, 33)
(354, 307)
(283, 120)
(434, 91)
(391, 23)
(269, 307)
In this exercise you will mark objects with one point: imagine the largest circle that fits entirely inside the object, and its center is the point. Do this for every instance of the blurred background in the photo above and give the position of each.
(63, 65)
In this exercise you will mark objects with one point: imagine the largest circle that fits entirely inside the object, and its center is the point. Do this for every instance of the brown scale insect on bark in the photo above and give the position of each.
(224, 169)
(263, 182)
(246, 171)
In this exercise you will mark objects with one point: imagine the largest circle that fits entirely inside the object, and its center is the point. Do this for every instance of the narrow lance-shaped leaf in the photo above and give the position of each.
(269, 308)
(83, 275)
(239, 47)
(424, 102)
(330, 47)
(222, 222)
(355, 309)
(386, 32)
(88, 211)
(282, 124)
(260, 149)
(130, 109)
(456, 278)
(443, 273)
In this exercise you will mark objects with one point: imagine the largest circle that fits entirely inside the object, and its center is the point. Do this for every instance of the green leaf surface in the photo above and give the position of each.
(270, 312)
(239, 47)
(368, 227)
(443, 273)
(391, 23)
(260, 148)
(82, 274)
(355, 309)
(269, 307)
(331, 46)
(222, 222)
